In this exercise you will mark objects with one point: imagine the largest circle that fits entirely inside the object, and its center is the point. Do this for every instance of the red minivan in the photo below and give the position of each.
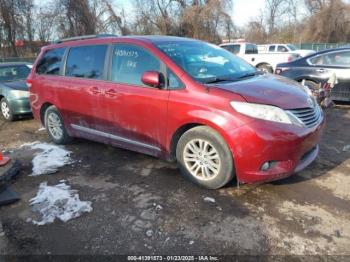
(177, 99)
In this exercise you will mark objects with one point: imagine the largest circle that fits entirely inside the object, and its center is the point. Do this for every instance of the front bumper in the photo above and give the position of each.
(289, 148)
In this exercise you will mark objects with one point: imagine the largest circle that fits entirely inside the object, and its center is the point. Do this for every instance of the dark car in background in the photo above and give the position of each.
(319, 67)
(14, 94)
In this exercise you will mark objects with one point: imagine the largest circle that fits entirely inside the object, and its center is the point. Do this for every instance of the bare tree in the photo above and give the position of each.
(329, 21)
(9, 16)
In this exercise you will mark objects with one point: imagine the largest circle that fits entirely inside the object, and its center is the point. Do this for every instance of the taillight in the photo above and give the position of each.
(290, 58)
(280, 70)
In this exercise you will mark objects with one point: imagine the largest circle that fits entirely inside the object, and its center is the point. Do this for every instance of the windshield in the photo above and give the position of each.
(13, 73)
(206, 63)
(292, 47)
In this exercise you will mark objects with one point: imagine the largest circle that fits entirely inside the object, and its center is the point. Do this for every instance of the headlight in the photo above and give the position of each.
(19, 93)
(265, 112)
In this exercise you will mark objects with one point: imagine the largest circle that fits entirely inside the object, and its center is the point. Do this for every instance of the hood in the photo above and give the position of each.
(271, 90)
(16, 85)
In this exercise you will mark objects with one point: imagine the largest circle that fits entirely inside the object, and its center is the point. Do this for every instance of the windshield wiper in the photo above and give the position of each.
(218, 80)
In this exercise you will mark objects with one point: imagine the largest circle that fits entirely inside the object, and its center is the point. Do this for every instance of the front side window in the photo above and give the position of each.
(332, 59)
(50, 63)
(14, 73)
(272, 48)
(206, 63)
(86, 61)
(282, 48)
(129, 62)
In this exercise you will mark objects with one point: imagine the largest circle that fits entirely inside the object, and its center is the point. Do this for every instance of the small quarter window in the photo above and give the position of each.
(51, 61)
(173, 81)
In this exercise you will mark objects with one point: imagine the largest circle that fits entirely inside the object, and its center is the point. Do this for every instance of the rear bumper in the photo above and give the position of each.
(20, 106)
(288, 149)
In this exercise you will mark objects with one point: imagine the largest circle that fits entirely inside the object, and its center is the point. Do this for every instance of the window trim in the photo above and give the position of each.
(163, 68)
(327, 53)
(104, 72)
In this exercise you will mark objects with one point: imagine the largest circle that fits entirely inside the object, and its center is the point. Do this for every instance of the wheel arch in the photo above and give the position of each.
(176, 137)
(43, 109)
(189, 125)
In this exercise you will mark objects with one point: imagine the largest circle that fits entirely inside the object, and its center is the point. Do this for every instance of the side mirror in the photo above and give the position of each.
(153, 79)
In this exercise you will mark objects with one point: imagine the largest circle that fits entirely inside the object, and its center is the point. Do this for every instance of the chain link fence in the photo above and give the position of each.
(321, 46)
(17, 59)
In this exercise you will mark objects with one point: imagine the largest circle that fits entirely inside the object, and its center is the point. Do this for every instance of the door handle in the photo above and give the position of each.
(321, 70)
(111, 93)
(95, 90)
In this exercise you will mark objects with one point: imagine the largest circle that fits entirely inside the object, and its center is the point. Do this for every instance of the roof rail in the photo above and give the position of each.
(83, 37)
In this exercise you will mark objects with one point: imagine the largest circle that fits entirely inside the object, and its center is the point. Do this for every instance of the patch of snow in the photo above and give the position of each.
(29, 144)
(59, 201)
(346, 148)
(191, 242)
(209, 199)
(41, 129)
(49, 159)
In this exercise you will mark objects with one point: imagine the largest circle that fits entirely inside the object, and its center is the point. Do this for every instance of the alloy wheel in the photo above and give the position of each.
(54, 125)
(5, 110)
(202, 159)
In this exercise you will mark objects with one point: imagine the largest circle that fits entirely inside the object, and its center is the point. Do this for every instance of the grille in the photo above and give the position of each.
(309, 116)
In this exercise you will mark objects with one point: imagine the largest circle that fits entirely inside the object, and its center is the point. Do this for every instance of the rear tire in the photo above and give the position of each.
(6, 110)
(204, 158)
(55, 126)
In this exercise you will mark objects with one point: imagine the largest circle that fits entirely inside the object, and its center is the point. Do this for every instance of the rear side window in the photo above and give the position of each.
(86, 61)
(251, 49)
(234, 49)
(51, 62)
(272, 48)
(129, 62)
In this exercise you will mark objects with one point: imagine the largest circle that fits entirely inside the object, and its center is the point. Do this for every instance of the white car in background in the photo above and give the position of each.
(283, 48)
(263, 61)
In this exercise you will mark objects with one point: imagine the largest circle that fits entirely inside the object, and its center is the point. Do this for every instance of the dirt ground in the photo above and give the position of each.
(142, 205)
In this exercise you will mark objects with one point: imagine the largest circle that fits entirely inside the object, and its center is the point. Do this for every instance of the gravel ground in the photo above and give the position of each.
(142, 205)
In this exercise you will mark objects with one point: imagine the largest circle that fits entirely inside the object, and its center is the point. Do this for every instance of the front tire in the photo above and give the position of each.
(55, 126)
(204, 157)
(265, 68)
(6, 110)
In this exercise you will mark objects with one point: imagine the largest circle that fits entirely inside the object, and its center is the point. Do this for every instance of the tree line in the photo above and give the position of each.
(26, 25)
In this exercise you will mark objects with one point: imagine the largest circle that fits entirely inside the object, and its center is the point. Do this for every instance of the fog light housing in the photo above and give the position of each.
(265, 166)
